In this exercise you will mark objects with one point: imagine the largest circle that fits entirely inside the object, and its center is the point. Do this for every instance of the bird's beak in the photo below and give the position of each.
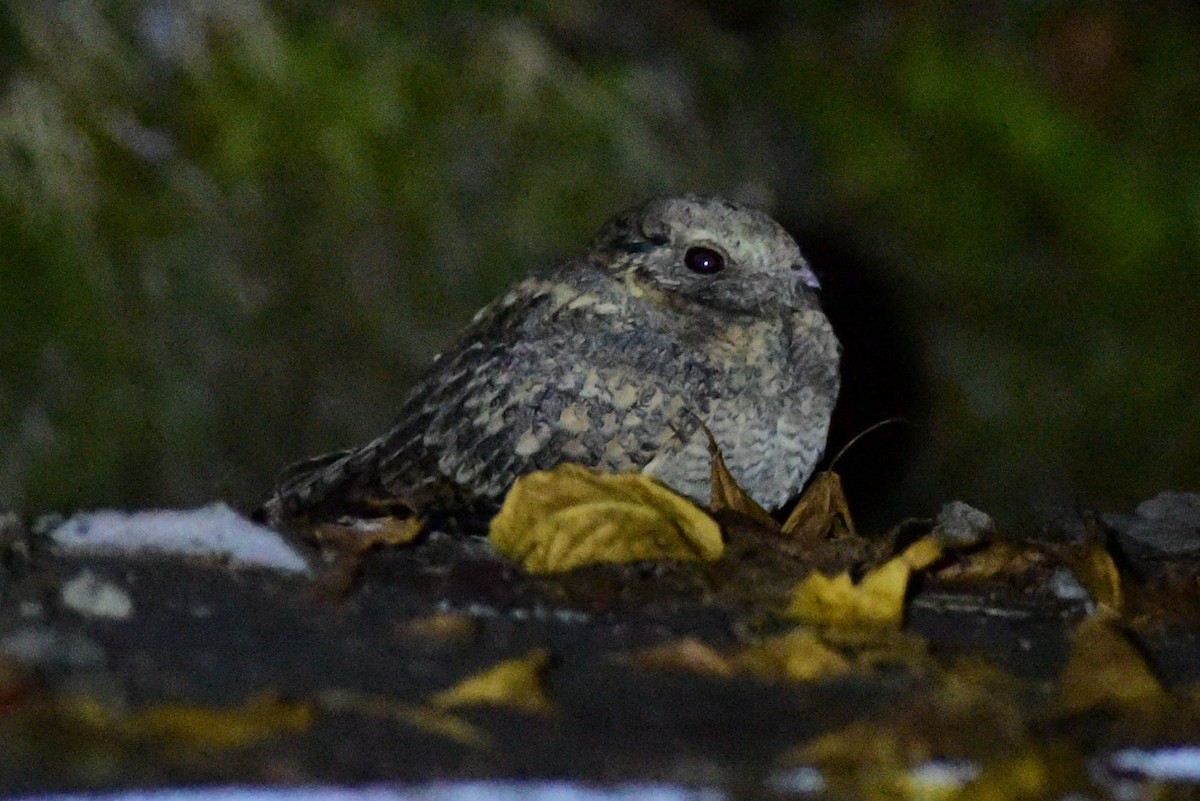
(806, 276)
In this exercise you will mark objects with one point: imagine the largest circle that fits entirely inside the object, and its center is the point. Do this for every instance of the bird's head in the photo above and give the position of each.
(708, 251)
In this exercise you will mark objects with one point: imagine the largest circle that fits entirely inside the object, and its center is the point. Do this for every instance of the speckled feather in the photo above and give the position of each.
(613, 360)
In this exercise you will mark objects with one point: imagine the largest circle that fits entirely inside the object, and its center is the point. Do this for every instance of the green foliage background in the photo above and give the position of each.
(232, 231)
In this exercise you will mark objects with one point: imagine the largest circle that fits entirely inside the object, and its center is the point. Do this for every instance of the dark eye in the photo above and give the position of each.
(705, 261)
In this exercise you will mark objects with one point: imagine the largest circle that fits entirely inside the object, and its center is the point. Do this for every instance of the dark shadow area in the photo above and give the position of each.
(882, 378)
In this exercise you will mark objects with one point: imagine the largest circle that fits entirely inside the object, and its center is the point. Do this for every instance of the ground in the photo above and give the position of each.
(126, 670)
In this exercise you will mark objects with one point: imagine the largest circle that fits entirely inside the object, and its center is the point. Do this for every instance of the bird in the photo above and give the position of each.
(686, 317)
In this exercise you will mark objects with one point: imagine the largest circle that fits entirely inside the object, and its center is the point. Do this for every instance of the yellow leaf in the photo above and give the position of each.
(1098, 573)
(1053, 770)
(798, 655)
(435, 721)
(445, 724)
(877, 600)
(261, 717)
(821, 508)
(571, 516)
(866, 759)
(1105, 670)
(922, 553)
(727, 494)
(514, 683)
(836, 601)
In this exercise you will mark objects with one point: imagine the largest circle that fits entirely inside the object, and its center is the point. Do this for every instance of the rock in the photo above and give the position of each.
(1165, 526)
(961, 525)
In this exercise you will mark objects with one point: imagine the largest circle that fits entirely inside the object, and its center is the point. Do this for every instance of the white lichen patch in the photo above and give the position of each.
(214, 531)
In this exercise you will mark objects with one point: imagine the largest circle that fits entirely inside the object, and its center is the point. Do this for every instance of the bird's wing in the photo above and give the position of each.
(546, 374)
(354, 481)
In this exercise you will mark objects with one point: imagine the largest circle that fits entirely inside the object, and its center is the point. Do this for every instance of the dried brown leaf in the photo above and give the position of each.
(1032, 774)
(1000, 560)
(728, 495)
(821, 510)
(352, 542)
(363, 535)
(437, 630)
(687, 654)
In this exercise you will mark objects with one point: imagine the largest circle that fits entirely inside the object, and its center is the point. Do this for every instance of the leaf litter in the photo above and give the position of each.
(845, 615)
(812, 602)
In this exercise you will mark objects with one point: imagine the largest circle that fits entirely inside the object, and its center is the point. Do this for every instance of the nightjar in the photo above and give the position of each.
(683, 311)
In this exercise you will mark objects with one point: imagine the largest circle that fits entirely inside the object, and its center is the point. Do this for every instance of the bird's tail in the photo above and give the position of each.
(306, 487)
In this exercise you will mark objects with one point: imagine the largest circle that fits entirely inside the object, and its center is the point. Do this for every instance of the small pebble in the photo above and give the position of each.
(92, 596)
(1167, 525)
(961, 525)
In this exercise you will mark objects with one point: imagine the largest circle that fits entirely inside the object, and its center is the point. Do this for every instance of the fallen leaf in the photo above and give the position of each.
(727, 494)
(1034, 772)
(883, 648)
(922, 553)
(876, 600)
(262, 716)
(362, 535)
(259, 718)
(798, 655)
(445, 724)
(571, 516)
(865, 759)
(687, 654)
(1106, 671)
(821, 509)
(437, 631)
(1000, 560)
(1098, 573)
(933, 744)
(513, 683)
(1028, 775)
(350, 544)
(1171, 599)
(435, 721)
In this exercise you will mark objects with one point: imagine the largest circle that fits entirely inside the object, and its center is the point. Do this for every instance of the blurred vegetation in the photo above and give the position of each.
(233, 231)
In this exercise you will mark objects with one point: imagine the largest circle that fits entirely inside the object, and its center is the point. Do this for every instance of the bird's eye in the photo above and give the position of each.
(705, 261)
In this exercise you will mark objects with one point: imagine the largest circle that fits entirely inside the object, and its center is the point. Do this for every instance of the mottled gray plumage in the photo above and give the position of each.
(613, 360)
